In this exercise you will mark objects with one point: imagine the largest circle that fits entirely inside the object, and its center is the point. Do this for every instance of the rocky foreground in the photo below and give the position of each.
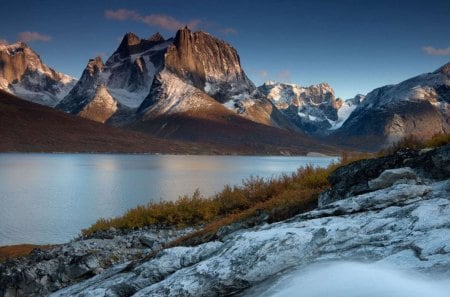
(394, 210)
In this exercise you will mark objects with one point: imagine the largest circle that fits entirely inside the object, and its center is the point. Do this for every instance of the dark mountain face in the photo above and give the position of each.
(23, 73)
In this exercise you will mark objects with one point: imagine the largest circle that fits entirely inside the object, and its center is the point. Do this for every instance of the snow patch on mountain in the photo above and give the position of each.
(174, 96)
(314, 109)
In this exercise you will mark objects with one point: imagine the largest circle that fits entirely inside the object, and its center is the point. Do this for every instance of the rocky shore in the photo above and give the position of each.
(45, 271)
(394, 210)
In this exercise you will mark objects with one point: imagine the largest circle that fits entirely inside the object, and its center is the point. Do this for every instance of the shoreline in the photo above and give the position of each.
(309, 154)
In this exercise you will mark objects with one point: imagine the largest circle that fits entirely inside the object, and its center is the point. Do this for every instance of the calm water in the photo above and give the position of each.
(49, 198)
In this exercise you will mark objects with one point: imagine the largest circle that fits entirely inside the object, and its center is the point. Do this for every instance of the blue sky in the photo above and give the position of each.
(354, 45)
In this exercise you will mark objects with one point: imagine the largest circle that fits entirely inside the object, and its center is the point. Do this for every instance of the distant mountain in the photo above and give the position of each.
(313, 109)
(23, 73)
(419, 106)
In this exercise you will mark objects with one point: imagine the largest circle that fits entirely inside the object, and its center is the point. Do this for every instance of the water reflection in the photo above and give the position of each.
(49, 198)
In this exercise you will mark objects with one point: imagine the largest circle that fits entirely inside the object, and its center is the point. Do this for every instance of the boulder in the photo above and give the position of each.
(393, 176)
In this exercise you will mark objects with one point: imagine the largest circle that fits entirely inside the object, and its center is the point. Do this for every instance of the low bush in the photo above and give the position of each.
(287, 191)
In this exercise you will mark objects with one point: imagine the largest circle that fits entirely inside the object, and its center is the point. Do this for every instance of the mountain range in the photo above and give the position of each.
(192, 88)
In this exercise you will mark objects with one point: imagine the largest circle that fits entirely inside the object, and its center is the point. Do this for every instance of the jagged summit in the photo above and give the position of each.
(209, 63)
(445, 69)
(157, 37)
(95, 65)
(314, 109)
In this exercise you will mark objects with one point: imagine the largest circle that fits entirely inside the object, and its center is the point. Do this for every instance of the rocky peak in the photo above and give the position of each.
(16, 59)
(207, 63)
(130, 43)
(95, 66)
(444, 69)
(157, 37)
(130, 39)
(23, 73)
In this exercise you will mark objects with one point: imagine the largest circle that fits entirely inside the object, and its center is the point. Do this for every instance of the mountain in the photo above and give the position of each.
(138, 68)
(418, 106)
(23, 73)
(314, 109)
(190, 87)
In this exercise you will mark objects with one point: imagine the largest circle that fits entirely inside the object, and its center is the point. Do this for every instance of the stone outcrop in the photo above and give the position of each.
(354, 178)
(401, 220)
(45, 271)
(391, 225)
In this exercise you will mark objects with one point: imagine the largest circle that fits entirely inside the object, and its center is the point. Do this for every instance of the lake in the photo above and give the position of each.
(49, 198)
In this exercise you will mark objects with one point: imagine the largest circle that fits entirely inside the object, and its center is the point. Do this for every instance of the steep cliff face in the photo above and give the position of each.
(209, 64)
(419, 106)
(23, 73)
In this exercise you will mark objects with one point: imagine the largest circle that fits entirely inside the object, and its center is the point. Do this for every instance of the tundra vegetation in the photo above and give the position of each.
(276, 199)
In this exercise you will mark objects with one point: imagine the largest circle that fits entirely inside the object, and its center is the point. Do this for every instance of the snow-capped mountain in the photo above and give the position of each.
(134, 75)
(314, 109)
(23, 73)
(123, 81)
(419, 106)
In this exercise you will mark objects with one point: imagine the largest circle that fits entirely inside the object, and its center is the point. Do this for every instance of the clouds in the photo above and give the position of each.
(168, 22)
(283, 75)
(29, 36)
(429, 50)
(228, 31)
(122, 15)
(164, 21)
(158, 20)
(262, 73)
